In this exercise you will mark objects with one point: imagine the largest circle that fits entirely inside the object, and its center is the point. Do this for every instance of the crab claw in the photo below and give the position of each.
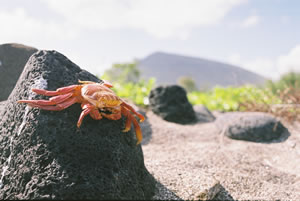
(129, 107)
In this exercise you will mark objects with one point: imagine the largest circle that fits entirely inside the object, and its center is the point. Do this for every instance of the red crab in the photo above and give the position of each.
(97, 99)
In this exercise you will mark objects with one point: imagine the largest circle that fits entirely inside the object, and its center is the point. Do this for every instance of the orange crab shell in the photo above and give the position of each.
(100, 95)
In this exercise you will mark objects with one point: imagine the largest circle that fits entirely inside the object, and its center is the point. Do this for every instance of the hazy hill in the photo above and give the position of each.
(167, 68)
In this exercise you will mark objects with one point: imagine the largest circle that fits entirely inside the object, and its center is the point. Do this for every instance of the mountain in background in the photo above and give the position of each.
(168, 68)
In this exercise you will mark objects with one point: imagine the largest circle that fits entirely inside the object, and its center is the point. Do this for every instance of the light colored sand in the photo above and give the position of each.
(187, 159)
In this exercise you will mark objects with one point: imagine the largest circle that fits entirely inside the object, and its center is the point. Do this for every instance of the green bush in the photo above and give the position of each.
(123, 73)
(137, 92)
(127, 83)
(289, 80)
(187, 83)
(230, 99)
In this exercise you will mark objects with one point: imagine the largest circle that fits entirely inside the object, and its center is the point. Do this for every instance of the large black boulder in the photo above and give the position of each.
(44, 156)
(171, 103)
(13, 58)
(251, 126)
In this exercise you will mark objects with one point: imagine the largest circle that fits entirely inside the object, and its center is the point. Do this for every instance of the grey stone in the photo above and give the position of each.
(203, 114)
(171, 103)
(45, 156)
(250, 126)
(2, 107)
(13, 58)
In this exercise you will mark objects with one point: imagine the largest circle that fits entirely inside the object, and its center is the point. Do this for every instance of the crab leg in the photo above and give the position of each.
(127, 106)
(137, 127)
(58, 107)
(95, 114)
(88, 109)
(58, 91)
(131, 119)
(128, 122)
(82, 115)
(52, 101)
(105, 83)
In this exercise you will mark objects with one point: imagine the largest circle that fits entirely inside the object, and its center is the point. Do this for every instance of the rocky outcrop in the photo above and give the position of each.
(45, 156)
(203, 114)
(250, 126)
(2, 105)
(171, 104)
(13, 58)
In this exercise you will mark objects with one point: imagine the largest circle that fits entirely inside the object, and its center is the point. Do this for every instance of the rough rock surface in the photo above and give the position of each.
(44, 156)
(13, 58)
(188, 160)
(2, 105)
(250, 126)
(203, 114)
(171, 103)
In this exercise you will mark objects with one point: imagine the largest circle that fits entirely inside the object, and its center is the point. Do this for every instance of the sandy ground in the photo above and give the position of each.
(190, 161)
(197, 161)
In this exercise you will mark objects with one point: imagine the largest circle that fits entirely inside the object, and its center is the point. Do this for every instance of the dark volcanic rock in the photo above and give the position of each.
(44, 156)
(13, 58)
(250, 126)
(203, 114)
(171, 103)
(2, 105)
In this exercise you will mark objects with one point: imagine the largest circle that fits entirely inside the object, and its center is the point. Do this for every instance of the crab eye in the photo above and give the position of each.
(105, 111)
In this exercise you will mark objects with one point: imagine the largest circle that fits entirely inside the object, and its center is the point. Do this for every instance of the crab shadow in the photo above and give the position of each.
(146, 130)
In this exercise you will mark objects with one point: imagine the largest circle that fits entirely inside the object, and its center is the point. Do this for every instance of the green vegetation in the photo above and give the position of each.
(188, 83)
(128, 84)
(289, 80)
(122, 73)
(284, 94)
(136, 92)
(230, 99)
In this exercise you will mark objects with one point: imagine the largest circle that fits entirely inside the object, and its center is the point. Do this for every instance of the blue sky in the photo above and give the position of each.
(259, 35)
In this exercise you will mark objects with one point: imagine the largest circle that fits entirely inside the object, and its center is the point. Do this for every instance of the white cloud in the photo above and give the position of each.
(290, 61)
(262, 66)
(161, 18)
(270, 67)
(17, 25)
(235, 58)
(251, 21)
